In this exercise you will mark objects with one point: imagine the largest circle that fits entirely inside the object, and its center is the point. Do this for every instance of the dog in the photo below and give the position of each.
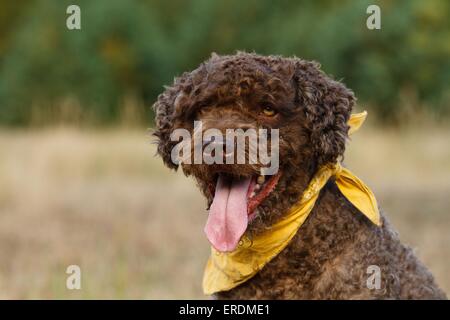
(336, 252)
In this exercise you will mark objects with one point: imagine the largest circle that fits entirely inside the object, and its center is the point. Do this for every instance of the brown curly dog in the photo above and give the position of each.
(329, 256)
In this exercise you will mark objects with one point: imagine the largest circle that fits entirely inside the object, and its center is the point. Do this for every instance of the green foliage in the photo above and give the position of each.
(133, 48)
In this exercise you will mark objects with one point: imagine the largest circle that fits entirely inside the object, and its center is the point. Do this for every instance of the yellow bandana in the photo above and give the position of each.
(225, 271)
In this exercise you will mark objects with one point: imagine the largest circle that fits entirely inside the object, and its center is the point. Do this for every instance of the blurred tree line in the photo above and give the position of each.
(117, 64)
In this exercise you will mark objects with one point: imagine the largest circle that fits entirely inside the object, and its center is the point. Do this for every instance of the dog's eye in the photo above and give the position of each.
(268, 111)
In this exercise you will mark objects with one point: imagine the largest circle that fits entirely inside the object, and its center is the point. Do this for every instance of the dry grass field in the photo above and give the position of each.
(101, 200)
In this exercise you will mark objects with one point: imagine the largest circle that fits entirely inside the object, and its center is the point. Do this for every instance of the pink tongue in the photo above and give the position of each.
(228, 219)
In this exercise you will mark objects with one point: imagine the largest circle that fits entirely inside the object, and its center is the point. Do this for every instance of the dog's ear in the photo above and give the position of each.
(327, 105)
(165, 109)
(176, 103)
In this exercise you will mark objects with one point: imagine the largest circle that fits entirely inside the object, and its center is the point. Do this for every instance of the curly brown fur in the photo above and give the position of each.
(329, 256)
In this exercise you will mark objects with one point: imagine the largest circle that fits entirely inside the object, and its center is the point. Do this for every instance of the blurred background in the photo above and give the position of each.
(79, 182)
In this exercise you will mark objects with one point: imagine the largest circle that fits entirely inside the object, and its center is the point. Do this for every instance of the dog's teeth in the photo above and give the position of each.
(257, 187)
(252, 194)
(260, 179)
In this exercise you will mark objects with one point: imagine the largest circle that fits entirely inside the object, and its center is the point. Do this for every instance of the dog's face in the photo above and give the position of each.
(295, 114)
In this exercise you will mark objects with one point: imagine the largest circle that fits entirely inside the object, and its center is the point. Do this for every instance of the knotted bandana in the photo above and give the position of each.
(225, 271)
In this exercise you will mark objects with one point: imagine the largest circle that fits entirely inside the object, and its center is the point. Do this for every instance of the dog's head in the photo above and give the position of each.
(211, 121)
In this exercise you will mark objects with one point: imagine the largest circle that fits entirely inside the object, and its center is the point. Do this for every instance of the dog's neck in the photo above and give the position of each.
(317, 242)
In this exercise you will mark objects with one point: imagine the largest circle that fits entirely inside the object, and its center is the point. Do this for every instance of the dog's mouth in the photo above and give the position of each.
(234, 206)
